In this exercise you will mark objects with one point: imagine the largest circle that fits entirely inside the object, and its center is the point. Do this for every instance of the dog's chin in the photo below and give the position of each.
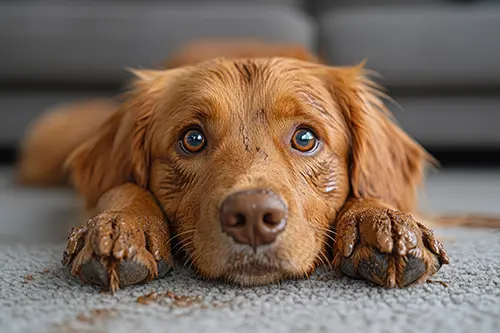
(244, 266)
(254, 275)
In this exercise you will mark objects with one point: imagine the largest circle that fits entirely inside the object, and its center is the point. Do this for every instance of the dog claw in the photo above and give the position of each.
(348, 248)
(75, 244)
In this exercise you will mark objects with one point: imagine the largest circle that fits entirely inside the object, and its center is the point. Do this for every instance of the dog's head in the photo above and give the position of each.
(252, 159)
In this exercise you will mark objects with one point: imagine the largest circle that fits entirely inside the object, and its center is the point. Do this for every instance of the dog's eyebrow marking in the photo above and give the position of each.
(313, 102)
(290, 106)
(203, 107)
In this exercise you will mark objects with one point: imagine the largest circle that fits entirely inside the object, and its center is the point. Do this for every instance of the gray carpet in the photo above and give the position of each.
(36, 295)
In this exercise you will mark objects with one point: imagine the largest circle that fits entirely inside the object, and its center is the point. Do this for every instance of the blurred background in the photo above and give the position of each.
(440, 60)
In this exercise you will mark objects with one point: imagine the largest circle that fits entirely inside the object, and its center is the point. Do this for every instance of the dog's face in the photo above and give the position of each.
(256, 134)
(252, 160)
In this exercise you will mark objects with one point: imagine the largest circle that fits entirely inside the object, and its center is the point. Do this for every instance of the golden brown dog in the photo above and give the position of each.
(254, 167)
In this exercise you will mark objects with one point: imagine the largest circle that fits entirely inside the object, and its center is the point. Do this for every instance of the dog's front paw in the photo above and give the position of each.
(118, 249)
(386, 247)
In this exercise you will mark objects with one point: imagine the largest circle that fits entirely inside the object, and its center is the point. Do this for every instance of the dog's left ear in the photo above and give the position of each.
(385, 163)
(118, 152)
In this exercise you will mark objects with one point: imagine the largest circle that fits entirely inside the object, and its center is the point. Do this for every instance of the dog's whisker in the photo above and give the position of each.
(181, 233)
(179, 246)
(187, 259)
(325, 257)
(327, 244)
(185, 245)
(324, 233)
(330, 237)
(192, 258)
(327, 230)
(318, 257)
(321, 256)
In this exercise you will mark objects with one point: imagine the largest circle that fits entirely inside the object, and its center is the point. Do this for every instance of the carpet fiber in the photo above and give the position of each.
(36, 295)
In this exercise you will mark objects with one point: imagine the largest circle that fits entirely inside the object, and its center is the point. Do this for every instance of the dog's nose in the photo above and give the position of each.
(254, 217)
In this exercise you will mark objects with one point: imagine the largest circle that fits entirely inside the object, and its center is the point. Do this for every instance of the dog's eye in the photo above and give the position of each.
(193, 141)
(304, 140)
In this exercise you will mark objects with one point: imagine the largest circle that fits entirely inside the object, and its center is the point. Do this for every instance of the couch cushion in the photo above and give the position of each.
(280, 2)
(427, 45)
(378, 2)
(95, 41)
(319, 6)
(451, 121)
(21, 107)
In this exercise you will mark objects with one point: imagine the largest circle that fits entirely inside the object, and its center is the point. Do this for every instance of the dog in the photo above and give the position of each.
(258, 163)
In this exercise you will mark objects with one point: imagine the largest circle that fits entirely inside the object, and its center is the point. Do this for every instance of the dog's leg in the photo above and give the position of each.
(126, 243)
(385, 246)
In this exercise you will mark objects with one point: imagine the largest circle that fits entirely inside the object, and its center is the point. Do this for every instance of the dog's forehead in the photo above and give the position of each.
(227, 87)
(261, 73)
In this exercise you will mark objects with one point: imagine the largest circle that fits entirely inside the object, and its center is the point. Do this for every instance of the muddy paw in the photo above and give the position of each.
(386, 247)
(118, 249)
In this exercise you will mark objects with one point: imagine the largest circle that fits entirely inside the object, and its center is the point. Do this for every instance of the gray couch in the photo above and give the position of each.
(439, 58)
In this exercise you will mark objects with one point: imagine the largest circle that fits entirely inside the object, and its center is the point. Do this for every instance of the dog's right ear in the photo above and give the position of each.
(385, 163)
(118, 153)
